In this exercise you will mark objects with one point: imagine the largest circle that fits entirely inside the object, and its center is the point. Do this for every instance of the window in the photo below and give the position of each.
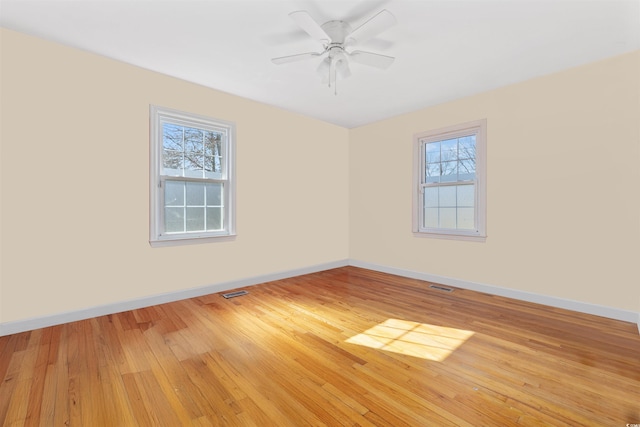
(192, 180)
(450, 182)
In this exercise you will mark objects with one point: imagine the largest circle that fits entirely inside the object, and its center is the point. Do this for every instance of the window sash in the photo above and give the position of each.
(224, 201)
(198, 126)
(458, 206)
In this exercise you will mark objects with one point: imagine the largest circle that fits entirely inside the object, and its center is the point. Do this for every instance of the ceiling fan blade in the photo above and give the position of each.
(307, 23)
(293, 58)
(374, 26)
(372, 59)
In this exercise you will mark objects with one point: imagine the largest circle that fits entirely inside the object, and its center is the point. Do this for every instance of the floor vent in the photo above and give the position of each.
(441, 288)
(234, 294)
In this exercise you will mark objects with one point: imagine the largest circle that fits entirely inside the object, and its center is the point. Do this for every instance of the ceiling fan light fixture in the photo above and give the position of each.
(333, 35)
(343, 68)
(323, 69)
(333, 67)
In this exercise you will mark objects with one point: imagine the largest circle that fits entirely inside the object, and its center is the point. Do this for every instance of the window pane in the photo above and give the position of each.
(214, 194)
(467, 147)
(214, 218)
(432, 152)
(173, 193)
(431, 197)
(195, 194)
(467, 169)
(174, 220)
(430, 218)
(447, 217)
(449, 171)
(193, 163)
(195, 219)
(172, 162)
(466, 195)
(193, 140)
(448, 196)
(465, 218)
(209, 164)
(433, 172)
(172, 137)
(172, 143)
(212, 175)
(449, 149)
(213, 143)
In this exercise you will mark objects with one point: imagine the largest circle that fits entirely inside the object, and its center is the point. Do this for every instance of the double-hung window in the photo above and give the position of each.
(450, 182)
(192, 179)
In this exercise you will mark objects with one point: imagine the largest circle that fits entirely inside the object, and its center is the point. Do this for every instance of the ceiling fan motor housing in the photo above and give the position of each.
(337, 30)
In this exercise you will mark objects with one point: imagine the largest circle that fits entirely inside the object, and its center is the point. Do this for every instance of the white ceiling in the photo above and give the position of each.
(444, 49)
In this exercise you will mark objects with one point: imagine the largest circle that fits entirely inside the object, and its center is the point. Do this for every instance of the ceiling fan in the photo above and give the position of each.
(336, 37)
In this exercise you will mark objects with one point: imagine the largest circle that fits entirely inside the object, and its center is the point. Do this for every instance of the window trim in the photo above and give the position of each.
(157, 115)
(478, 128)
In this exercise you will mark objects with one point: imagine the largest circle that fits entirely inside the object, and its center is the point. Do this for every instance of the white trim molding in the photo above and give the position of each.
(18, 326)
(582, 307)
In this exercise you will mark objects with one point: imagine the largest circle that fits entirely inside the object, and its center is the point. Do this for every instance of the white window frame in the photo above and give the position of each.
(479, 233)
(157, 236)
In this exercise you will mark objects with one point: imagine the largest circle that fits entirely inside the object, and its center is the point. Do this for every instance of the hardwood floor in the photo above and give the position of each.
(345, 347)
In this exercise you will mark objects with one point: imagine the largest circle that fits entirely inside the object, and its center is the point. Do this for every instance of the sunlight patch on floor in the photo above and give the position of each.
(422, 340)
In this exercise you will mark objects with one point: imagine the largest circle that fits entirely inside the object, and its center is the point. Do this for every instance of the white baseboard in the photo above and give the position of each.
(15, 327)
(9, 328)
(583, 307)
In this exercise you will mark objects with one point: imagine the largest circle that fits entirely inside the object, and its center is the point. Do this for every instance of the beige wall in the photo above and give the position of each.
(563, 188)
(563, 198)
(75, 184)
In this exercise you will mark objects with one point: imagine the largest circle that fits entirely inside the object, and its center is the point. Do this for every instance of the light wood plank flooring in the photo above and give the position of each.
(344, 347)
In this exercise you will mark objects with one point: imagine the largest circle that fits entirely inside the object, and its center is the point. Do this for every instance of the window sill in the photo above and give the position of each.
(448, 236)
(181, 241)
